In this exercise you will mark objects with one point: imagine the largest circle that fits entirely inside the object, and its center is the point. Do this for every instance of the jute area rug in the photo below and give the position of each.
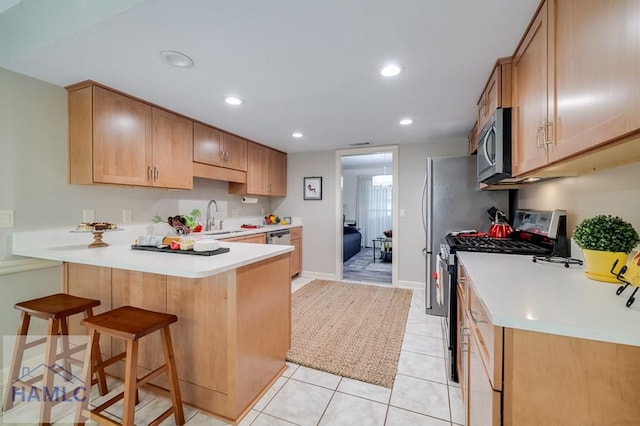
(352, 330)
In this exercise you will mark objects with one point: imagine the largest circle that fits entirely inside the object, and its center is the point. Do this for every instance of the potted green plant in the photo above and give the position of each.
(603, 240)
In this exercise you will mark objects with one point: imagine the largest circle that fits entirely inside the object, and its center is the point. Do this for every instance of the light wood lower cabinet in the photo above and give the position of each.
(516, 377)
(255, 238)
(296, 256)
(296, 241)
(483, 401)
(232, 334)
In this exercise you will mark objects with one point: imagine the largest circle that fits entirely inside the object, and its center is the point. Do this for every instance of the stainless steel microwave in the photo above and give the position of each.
(494, 148)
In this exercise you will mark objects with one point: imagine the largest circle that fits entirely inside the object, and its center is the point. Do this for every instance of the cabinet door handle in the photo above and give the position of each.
(540, 137)
(149, 173)
(156, 173)
(546, 125)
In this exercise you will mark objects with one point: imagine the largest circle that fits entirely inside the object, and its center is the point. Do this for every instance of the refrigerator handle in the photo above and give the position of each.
(429, 195)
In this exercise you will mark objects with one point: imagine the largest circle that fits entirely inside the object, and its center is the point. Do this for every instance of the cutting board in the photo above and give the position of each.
(170, 250)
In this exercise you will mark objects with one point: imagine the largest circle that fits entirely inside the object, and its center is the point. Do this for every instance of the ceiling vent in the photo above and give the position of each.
(361, 143)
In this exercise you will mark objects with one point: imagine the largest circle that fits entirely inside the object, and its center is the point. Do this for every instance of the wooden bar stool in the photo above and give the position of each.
(55, 309)
(130, 324)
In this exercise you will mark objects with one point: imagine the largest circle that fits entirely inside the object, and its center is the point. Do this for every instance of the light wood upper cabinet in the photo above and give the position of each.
(266, 172)
(217, 148)
(530, 96)
(235, 152)
(172, 150)
(122, 138)
(257, 170)
(576, 91)
(496, 93)
(277, 173)
(597, 60)
(116, 139)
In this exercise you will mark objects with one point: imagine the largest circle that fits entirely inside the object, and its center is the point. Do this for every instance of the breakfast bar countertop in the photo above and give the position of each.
(549, 298)
(63, 246)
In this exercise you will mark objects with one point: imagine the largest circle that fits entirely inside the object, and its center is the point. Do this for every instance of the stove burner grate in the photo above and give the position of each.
(567, 261)
(495, 245)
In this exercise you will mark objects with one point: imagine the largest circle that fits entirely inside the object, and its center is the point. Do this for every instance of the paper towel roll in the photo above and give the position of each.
(249, 200)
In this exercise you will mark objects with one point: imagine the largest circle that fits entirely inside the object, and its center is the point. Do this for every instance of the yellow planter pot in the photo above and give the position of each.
(598, 264)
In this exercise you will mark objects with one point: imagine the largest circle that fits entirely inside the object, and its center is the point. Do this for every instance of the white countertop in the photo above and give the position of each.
(65, 246)
(550, 298)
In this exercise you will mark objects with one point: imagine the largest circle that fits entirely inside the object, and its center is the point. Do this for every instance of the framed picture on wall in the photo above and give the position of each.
(313, 188)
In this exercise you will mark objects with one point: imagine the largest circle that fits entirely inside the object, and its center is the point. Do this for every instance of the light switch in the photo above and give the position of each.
(6, 218)
(126, 216)
(402, 213)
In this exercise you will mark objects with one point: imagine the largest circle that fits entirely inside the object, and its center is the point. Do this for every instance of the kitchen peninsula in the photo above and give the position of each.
(233, 309)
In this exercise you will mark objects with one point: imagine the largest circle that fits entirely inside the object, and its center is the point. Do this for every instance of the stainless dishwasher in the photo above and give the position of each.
(281, 237)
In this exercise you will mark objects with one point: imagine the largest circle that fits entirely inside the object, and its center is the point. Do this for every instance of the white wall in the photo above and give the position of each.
(318, 237)
(318, 257)
(614, 191)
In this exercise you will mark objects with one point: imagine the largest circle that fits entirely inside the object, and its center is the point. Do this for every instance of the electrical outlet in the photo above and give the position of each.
(126, 216)
(262, 211)
(88, 216)
(6, 218)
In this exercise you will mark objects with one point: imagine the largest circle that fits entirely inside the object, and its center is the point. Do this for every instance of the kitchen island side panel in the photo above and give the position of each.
(263, 327)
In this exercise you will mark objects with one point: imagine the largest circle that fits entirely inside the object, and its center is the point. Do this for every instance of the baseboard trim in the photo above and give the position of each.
(318, 275)
(410, 284)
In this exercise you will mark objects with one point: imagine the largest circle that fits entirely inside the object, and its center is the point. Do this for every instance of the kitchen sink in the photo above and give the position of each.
(223, 232)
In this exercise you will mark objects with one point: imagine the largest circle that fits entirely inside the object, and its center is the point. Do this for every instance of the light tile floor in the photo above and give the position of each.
(422, 393)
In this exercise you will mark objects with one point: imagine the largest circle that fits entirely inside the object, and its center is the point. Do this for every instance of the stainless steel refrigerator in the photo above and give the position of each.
(452, 201)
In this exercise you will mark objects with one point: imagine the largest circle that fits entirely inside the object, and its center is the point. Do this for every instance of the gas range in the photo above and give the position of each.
(536, 233)
(494, 245)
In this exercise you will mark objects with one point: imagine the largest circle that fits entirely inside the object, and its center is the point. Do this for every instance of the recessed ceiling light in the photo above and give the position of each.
(406, 121)
(233, 100)
(176, 59)
(297, 134)
(390, 70)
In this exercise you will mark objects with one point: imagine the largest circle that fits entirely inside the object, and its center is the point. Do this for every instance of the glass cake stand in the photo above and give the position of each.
(97, 236)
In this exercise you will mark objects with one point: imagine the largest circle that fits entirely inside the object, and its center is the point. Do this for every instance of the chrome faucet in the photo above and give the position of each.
(210, 221)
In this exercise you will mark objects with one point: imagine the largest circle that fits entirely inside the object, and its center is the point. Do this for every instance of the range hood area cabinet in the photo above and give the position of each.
(218, 148)
(575, 88)
(266, 173)
(496, 93)
(117, 139)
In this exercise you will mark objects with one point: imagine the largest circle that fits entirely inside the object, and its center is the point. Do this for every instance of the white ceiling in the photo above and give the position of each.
(300, 65)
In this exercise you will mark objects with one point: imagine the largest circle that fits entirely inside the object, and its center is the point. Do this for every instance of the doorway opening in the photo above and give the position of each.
(367, 215)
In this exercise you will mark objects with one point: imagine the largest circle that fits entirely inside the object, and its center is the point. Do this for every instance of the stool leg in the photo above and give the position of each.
(16, 363)
(170, 360)
(64, 334)
(130, 383)
(85, 396)
(48, 391)
(96, 361)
